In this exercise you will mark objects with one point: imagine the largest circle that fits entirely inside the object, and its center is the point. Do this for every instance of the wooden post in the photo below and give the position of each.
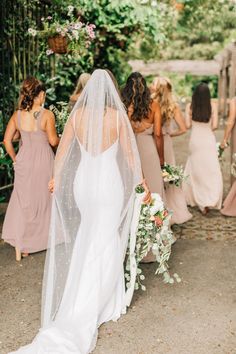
(224, 88)
(232, 84)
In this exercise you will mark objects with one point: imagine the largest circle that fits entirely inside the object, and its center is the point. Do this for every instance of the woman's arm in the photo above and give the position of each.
(51, 129)
(62, 150)
(230, 122)
(158, 136)
(178, 117)
(9, 136)
(214, 117)
(188, 116)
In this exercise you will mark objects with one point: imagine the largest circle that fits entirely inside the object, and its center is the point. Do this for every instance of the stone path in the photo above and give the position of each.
(196, 316)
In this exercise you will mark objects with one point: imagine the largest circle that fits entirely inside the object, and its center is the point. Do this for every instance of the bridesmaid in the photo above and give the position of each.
(204, 187)
(82, 81)
(27, 218)
(145, 117)
(229, 208)
(171, 113)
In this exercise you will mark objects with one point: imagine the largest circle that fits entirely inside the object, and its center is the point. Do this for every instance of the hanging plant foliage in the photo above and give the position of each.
(63, 35)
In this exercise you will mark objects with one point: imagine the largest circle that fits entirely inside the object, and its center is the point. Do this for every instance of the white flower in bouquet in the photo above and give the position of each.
(156, 205)
(173, 174)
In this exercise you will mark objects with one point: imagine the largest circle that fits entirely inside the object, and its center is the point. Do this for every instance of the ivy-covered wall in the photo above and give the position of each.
(120, 25)
(19, 54)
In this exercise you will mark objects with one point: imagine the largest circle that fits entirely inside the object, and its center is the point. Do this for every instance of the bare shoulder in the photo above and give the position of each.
(14, 117)
(48, 117)
(112, 110)
(155, 106)
(188, 106)
(48, 114)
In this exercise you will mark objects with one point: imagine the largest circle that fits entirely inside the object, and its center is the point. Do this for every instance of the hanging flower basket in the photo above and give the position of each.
(58, 44)
(69, 35)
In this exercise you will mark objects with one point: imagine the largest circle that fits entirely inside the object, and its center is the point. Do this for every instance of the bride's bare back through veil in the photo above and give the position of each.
(96, 170)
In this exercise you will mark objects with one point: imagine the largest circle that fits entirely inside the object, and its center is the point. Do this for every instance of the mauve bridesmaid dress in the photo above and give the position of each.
(26, 223)
(175, 198)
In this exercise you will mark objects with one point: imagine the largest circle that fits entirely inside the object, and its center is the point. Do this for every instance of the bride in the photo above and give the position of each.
(96, 170)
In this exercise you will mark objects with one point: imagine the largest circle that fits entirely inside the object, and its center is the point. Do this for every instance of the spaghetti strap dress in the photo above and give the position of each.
(26, 223)
(204, 186)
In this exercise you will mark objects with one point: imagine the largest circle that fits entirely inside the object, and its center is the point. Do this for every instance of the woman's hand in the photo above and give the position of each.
(51, 185)
(224, 144)
(148, 197)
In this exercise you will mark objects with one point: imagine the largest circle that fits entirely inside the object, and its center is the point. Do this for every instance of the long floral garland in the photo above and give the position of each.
(152, 234)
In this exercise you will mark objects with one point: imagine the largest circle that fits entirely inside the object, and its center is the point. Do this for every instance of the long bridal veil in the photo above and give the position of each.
(97, 124)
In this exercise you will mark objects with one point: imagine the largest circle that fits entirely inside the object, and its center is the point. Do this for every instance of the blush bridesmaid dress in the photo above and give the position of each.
(204, 186)
(26, 223)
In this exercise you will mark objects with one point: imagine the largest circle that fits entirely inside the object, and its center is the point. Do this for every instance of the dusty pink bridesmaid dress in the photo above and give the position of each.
(204, 187)
(150, 161)
(175, 198)
(28, 215)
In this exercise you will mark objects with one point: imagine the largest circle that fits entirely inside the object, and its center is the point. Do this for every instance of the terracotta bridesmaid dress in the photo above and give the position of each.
(175, 198)
(26, 224)
(150, 161)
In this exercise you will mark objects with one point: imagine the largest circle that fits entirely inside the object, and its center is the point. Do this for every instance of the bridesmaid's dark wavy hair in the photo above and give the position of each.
(137, 94)
(201, 103)
(30, 89)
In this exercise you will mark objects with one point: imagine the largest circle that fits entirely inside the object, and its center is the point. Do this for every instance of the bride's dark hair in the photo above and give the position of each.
(137, 94)
(201, 103)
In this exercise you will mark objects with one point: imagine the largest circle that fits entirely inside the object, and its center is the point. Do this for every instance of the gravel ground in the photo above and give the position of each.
(196, 316)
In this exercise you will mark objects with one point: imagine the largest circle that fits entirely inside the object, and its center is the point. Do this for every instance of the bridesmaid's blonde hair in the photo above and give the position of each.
(82, 81)
(163, 95)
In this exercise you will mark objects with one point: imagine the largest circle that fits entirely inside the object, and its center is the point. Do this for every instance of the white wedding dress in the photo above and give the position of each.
(92, 290)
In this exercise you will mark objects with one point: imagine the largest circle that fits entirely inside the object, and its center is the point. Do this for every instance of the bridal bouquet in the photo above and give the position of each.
(173, 174)
(152, 234)
(220, 150)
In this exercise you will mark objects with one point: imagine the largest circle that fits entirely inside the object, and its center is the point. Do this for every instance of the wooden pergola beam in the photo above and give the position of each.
(195, 67)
